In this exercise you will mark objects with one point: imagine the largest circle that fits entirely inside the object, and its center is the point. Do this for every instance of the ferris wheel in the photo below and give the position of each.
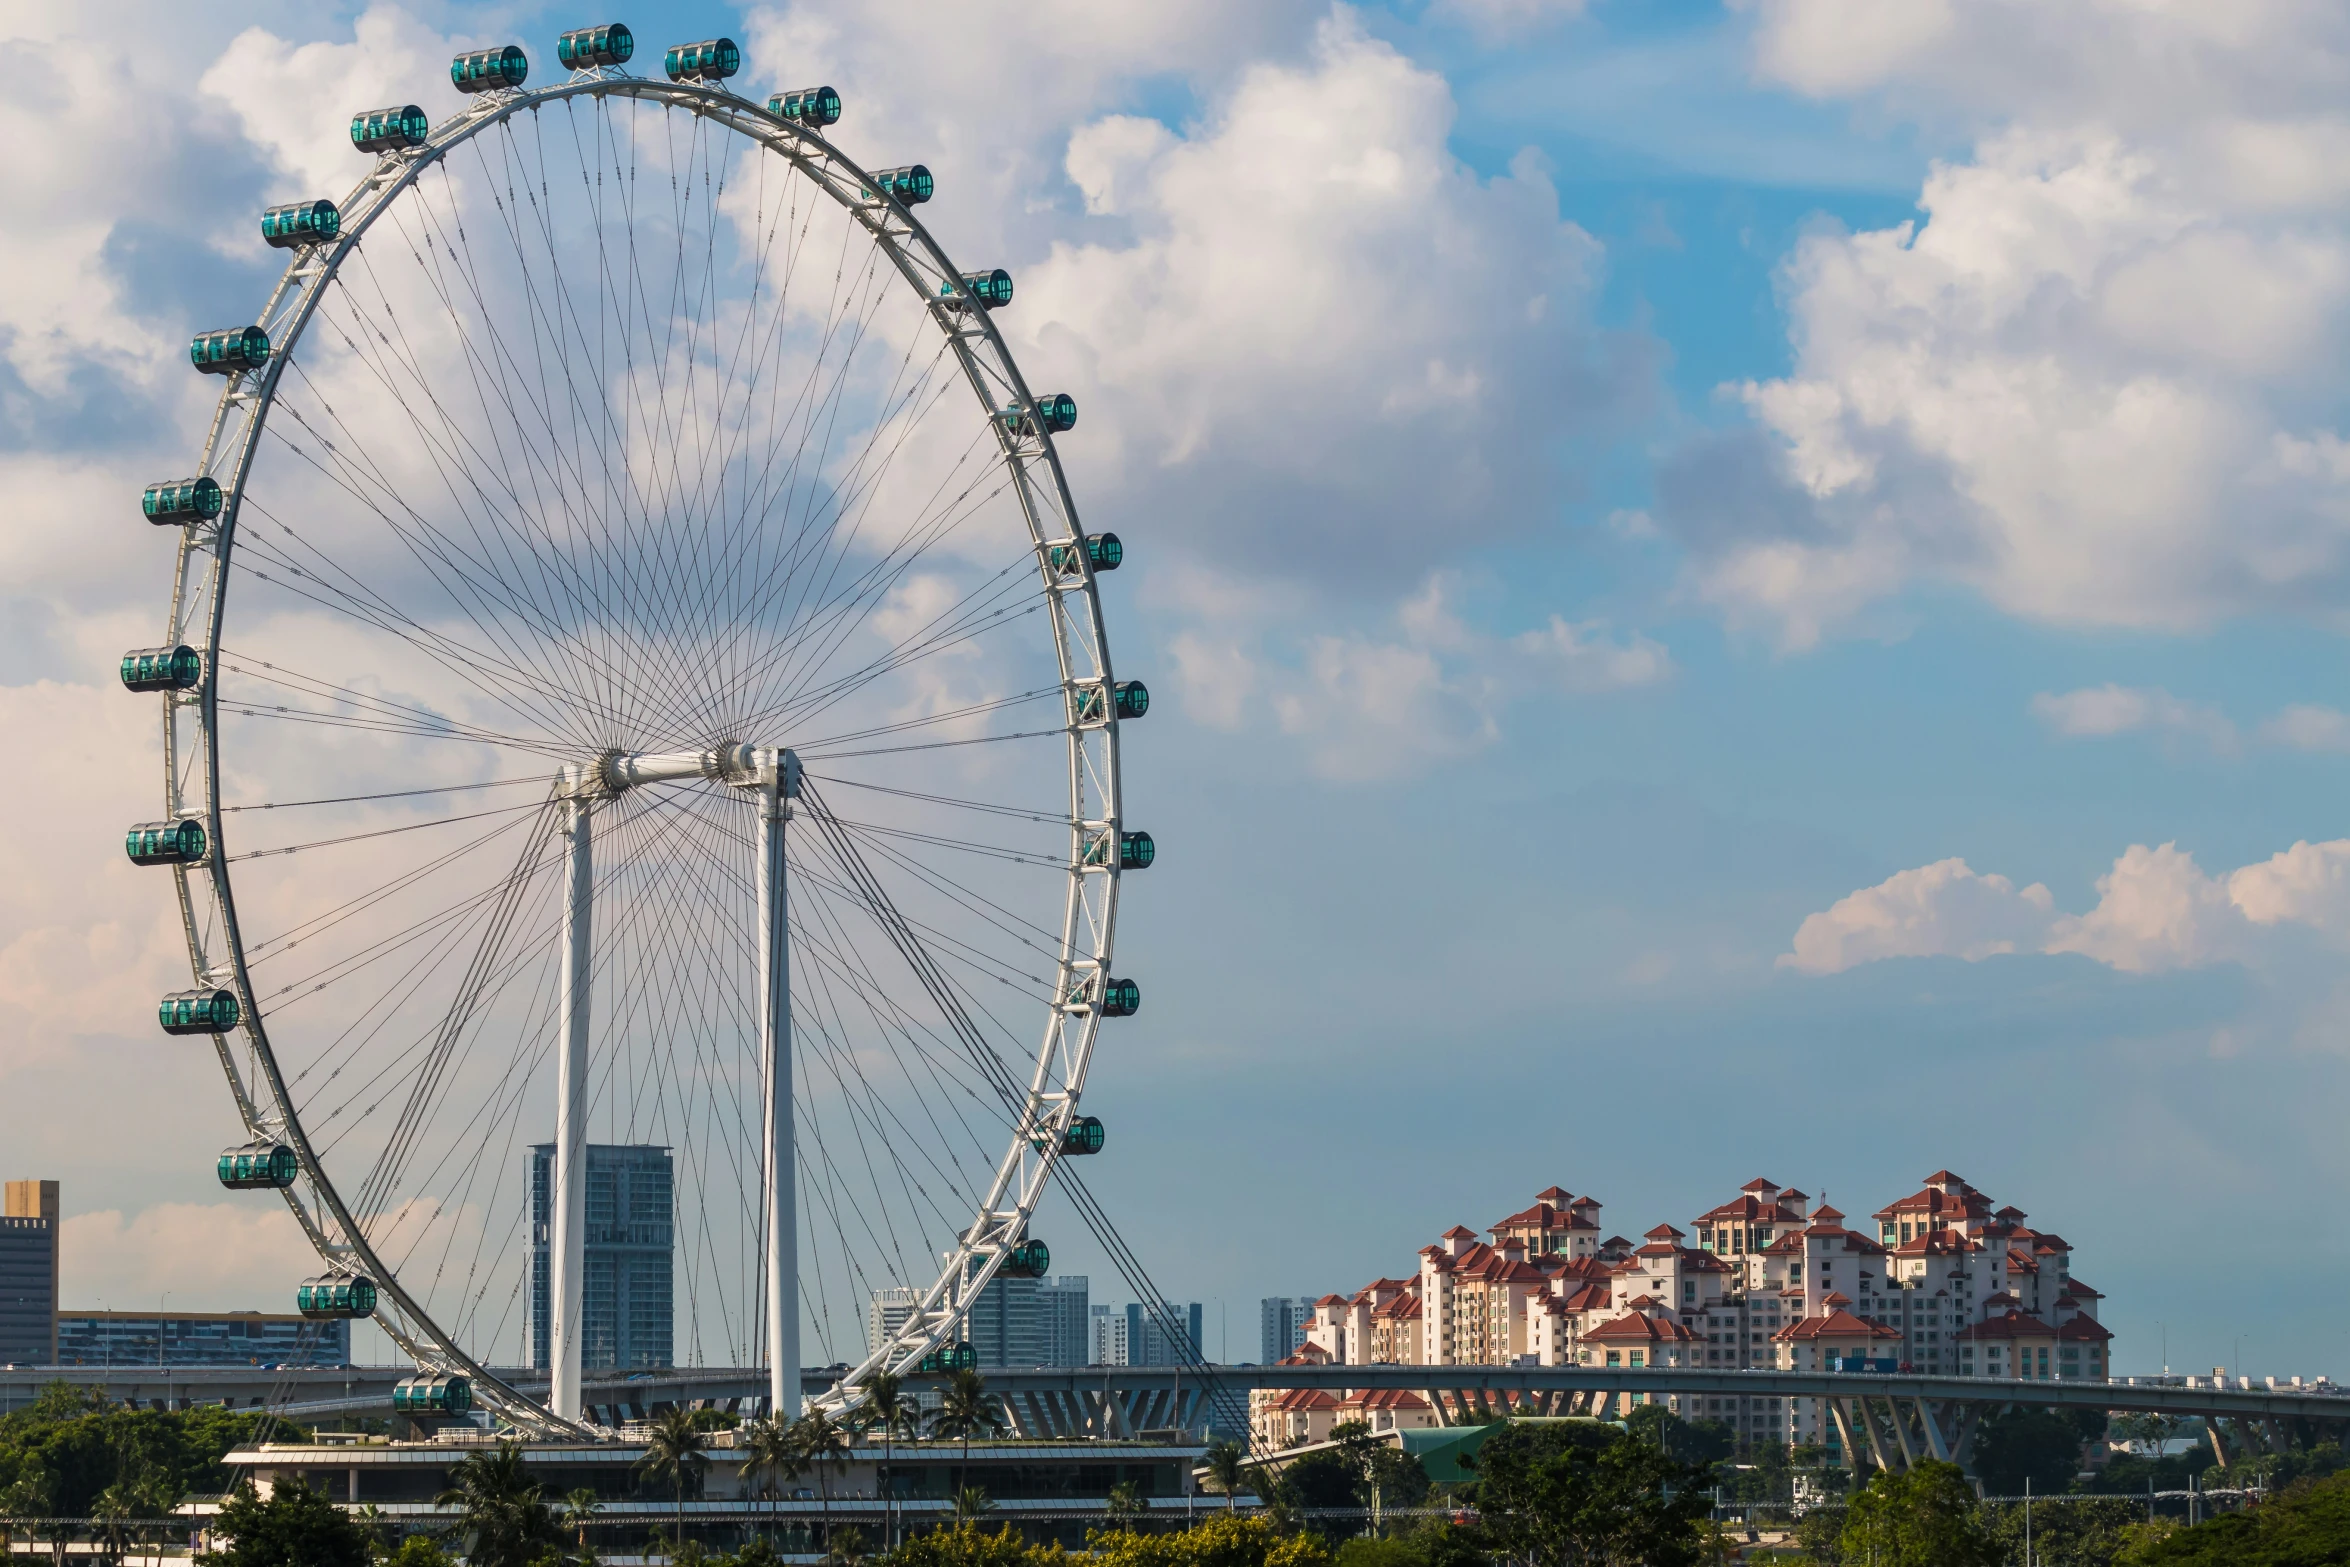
(641, 750)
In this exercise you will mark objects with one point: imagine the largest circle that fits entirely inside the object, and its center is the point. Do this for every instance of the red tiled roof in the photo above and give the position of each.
(1555, 1194)
(1304, 1398)
(1758, 1184)
(1792, 1195)
(1824, 1214)
(2010, 1324)
(1634, 1328)
(1662, 1232)
(1383, 1398)
(1458, 1230)
(1836, 1323)
(2084, 1329)
(2076, 1287)
(1331, 1300)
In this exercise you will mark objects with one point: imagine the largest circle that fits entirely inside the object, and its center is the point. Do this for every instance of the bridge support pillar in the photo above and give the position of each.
(1929, 1421)
(2219, 1445)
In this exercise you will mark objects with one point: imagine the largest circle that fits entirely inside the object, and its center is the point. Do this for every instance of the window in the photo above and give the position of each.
(1613, 1358)
(1638, 1358)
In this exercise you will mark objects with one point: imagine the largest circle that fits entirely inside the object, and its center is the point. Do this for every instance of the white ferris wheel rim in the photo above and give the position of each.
(192, 734)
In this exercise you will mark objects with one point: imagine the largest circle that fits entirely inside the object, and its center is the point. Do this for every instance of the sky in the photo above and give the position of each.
(1734, 590)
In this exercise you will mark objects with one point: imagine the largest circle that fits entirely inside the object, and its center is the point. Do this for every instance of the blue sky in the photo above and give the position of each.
(1416, 952)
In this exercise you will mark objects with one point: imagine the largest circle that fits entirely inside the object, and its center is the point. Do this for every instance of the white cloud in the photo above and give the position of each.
(1591, 657)
(2156, 911)
(2080, 385)
(242, 1256)
(1938, 910)
(2101, 712)
(2308, 727)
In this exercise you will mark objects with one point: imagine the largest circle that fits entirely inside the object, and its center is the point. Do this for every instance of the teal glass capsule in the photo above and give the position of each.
(389, 130)
(1103, 549)
(432, 1396)
(166, 843)
(814, 107)
(1120, 998)
(301, 223)
(992, 288)
(259, 1167)
(586, 48)
(1028, 1260)
(162, 669)
(1056, 412)
(333, 1295)
(1133, 698)
(198, 1012)
(712, 60)
(949, 1357)
(487, 70)
(1085, 1136)
(178, 502)
(1136, 850)
(911, 185)
(229, 350)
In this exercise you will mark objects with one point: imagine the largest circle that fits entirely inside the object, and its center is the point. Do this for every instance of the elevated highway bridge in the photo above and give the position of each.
(1890, 1418)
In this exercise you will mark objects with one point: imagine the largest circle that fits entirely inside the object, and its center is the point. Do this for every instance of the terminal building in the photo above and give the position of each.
(200, 1338)
(628, 1304)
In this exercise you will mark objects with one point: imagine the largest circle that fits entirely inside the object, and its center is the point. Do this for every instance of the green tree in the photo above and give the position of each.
(965, 1544)
(2080, 1531)
(1689, 1441)
(1586, 1495)
(1819, 1534)
(1221, 1541)
(673, 1452)
(502, 1514)
(771, 1456)
(579, 1510)
(1922, 1518)
(2306, 1526)
(1226, 1466)
(824, 1443)
(848, 1549)
(890, 1410)
(972, 1503)
(296, 1527)
(1127, 1506)
(418, 1550)
(966, 1410)
(2038, 1445)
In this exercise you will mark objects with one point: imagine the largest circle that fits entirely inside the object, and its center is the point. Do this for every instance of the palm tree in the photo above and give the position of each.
(1225, 1464)
(673, 1452)
(849, 1549)
(889, 1411)
(972, 1503)
(824, 1444)
(499, 1508)
(1127, 1504)
(579, 1507)
(771, 1455)
(965, 1410)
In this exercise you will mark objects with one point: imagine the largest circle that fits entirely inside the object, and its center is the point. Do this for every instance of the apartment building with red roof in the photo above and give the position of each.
(1949, 1284)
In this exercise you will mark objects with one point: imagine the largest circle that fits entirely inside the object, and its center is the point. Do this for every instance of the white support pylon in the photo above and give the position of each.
(778, 783)
(566, 1250)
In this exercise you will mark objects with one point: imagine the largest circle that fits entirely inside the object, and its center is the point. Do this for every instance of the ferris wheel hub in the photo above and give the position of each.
(745, 766)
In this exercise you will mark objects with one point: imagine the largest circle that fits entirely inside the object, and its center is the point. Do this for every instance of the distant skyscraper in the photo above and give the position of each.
(886, 1314)
(628, 1314)
(1014, 1322)
(200, 1338)
(1109, 1335)
(28, 1274)
(1282, 1321)
(1169, 1336)
(1066, 1302)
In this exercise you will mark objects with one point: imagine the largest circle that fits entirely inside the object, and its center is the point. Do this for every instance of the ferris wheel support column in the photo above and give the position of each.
(566, 1251)
(778, 775)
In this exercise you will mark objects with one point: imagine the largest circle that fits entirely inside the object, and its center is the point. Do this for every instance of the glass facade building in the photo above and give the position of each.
(28, 1274)
(628, 1306)
(201, 1338)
